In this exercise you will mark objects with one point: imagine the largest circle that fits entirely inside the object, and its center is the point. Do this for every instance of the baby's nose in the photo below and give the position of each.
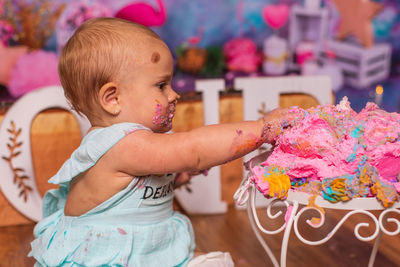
(174, 97)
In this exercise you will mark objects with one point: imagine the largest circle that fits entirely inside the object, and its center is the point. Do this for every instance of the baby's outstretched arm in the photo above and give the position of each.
(143, 152)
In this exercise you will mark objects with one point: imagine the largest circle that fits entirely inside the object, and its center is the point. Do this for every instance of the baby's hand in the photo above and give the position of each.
(183, 178)
(275, 121)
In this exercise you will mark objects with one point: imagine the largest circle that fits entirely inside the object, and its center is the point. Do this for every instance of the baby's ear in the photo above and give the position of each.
(108, 98)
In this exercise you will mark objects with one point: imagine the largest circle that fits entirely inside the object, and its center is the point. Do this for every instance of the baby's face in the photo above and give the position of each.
(147, 96)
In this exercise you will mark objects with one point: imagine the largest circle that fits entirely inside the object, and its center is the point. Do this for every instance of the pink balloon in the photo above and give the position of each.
(275, 15)
(33, 70)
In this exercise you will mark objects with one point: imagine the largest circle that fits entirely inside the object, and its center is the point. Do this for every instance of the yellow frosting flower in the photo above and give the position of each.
(279, 182)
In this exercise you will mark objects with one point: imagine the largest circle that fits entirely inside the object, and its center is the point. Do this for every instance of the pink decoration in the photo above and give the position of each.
(33, 70)
(304, 56)
(275, 15)
(305, 51)
(78, 12)
(9, 56)
(75, 14)
(288, 213)
(6, 31)
(241, 55)
(195, 40)
(144, 14)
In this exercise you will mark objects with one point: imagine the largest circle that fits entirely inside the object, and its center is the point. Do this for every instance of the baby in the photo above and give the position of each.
(118, 74)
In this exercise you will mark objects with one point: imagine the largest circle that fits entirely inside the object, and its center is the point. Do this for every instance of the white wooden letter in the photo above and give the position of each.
(16, 167)
(205, 197)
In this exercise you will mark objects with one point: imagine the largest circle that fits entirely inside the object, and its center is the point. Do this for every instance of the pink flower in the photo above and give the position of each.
(241, 55)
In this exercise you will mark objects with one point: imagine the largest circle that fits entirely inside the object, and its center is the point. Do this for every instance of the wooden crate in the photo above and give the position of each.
(361, 66)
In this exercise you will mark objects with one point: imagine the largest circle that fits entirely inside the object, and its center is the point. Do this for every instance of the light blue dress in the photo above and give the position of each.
(135, 227)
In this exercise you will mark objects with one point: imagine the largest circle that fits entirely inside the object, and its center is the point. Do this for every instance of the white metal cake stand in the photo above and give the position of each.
(246, 194)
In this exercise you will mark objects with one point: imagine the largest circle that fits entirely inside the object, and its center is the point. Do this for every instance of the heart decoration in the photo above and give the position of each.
(275, 15)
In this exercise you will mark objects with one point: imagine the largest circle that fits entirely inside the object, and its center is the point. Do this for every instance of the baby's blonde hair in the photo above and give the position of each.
(94, 56)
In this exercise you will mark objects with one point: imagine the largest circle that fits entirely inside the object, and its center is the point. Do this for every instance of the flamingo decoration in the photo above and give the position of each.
(143, 13)
(195, 40)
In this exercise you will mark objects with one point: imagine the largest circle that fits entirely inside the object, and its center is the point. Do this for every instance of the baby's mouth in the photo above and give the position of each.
(171, 111)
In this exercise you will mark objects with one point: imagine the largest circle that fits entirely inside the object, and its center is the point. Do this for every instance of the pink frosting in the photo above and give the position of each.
(397, 186)
(381, 134)
(262, 185)
(336, 153)
(331, 141)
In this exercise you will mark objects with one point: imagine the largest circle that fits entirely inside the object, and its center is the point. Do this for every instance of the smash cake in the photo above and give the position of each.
(337, 153)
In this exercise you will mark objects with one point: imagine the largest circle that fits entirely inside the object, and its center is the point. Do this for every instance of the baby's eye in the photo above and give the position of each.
(161, 85)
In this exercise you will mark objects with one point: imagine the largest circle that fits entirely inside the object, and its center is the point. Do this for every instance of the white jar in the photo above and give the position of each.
(275, 56)
(310, 67)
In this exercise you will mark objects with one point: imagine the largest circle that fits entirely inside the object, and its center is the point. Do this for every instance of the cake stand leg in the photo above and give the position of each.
(255, 229)
(375, 249)
(286, 235)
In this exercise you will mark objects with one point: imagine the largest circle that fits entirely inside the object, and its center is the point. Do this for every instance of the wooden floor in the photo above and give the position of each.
(232, 232)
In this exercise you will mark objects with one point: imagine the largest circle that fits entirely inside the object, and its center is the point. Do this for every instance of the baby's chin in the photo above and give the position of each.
(161, 128)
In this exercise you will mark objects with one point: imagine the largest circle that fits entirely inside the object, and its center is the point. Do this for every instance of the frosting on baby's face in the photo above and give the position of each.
(164, 115)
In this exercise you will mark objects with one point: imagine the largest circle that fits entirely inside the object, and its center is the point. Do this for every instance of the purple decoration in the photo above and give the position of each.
(75, 14)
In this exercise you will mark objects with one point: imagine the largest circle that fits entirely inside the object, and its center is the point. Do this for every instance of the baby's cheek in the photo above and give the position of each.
(158, 116)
